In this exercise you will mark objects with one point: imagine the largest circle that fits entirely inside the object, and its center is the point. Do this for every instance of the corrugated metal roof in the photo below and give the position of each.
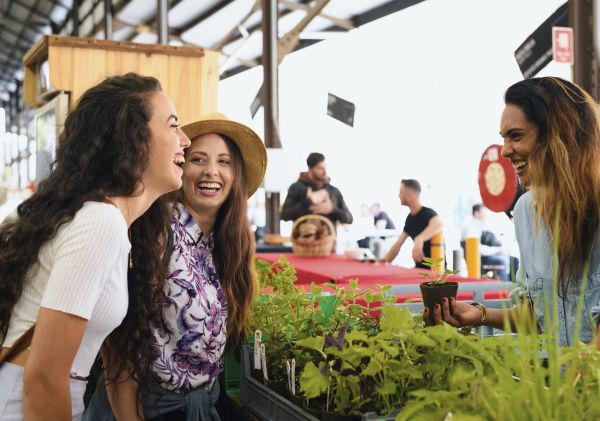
(230, 26)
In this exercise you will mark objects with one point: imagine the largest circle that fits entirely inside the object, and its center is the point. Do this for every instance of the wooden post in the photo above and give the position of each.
(581, 19)
(270, 95)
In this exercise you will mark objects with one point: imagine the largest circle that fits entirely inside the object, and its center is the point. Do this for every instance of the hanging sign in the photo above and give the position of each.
(497, 180)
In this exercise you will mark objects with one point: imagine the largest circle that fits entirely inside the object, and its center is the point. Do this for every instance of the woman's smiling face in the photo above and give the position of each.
(520, 136)
(207, 173)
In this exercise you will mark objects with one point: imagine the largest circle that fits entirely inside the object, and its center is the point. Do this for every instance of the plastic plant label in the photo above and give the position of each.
(263, 359)
(289, 375)
(257, 344)
(293, 379)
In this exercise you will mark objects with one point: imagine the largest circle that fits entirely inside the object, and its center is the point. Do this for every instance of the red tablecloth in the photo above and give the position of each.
(341, 269)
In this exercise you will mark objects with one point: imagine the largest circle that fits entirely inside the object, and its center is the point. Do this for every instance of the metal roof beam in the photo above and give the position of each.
(342, 23)
(17, 35)
(152, 21)
(8, 7)
(12, 61)
(29, 25)
(383, 10)
(117, 23)
(236, 30)
(59, 4)
(235, 35)
(35, 12)
(90, 13)
(216, 8)
(13, 48)
(20, 45)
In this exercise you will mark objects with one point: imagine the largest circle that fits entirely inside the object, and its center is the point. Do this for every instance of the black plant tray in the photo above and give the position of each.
(269, 405)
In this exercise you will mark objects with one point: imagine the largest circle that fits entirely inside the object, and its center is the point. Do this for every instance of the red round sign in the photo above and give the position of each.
(497, 180)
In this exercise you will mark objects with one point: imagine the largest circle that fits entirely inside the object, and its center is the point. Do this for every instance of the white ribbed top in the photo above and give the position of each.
(81, 271)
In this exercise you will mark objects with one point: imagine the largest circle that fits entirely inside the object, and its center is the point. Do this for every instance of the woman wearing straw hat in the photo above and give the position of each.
(209, 288)
(551, 133)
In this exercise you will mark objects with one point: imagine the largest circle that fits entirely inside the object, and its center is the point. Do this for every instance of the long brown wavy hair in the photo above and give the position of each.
(102, 151)
(234, 251)
(564, 167)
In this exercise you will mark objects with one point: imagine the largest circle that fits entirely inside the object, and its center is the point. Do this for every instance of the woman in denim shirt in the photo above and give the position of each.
(551, 135)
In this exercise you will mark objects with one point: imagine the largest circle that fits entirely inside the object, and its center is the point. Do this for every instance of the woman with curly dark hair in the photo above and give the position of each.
(209, 288)
(64, 261)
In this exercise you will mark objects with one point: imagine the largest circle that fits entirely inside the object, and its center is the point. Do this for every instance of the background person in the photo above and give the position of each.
(421, 224)
(491, 249)
(381, 218)
(313, 194)
(380, 221)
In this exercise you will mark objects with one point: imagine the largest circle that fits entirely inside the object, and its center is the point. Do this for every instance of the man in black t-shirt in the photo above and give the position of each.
(421, 224)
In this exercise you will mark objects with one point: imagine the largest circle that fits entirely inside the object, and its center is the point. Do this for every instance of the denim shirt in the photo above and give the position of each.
(535, 274)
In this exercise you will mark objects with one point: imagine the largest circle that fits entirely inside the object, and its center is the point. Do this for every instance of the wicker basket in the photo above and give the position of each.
(319, 244)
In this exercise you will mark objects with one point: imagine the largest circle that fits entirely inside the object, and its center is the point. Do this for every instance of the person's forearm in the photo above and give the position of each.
(294, 210)
(428, 233)
(121, 388)
(46, 398)
(123, 398)
(519, 315)
(392, 253)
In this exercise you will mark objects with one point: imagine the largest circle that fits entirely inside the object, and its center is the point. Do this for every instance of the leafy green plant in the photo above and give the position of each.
(349, 362)
(288, 314)
(436, 275)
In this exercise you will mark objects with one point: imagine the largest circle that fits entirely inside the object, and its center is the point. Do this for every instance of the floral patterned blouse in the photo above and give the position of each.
(190, 346)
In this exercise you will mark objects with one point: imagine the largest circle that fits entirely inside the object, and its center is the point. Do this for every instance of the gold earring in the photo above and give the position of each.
(131, 246)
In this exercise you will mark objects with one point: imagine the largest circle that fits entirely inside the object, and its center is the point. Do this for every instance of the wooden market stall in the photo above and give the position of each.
(189, 75)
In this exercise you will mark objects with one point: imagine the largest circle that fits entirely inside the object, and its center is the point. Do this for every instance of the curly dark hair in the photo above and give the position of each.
(102, 151)
(132, 342)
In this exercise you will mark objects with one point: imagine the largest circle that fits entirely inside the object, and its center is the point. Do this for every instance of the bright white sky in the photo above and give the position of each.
(427, 83)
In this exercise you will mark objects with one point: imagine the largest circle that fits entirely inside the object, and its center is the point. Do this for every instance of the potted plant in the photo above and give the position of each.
(436, 287)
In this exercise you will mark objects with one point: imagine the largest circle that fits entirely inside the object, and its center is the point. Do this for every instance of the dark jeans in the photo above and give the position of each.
(227, 409)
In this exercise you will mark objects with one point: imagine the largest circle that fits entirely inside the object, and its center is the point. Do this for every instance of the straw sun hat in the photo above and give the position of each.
(249, 144)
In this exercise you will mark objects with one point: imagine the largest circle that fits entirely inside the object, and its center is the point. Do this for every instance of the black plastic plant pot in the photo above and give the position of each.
(433, 293)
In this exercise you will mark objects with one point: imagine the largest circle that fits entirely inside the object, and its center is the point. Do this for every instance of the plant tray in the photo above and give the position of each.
(268, 405)
(231, 374)
(264, 402)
